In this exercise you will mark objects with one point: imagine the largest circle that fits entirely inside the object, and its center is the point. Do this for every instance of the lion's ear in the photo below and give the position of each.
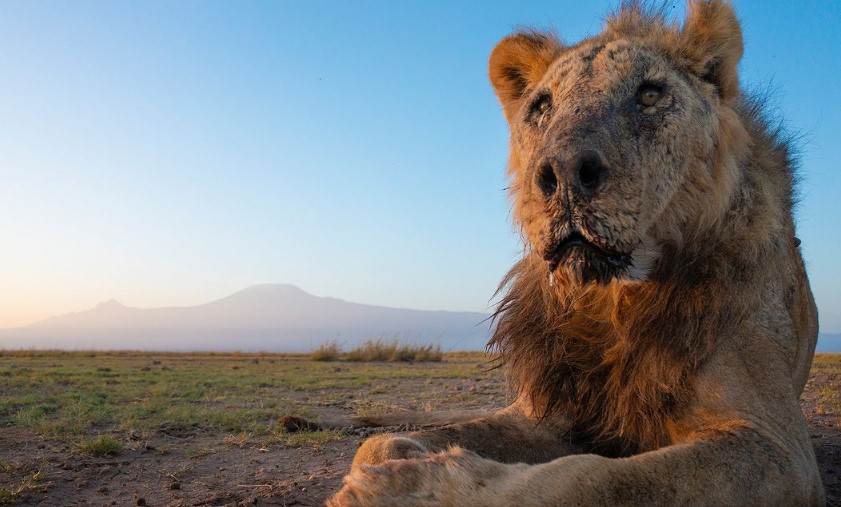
(518, 63)
(713, 41)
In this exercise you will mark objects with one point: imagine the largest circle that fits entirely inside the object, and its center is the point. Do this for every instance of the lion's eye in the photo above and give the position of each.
(540, 108)
(649, 94)
(543, 105)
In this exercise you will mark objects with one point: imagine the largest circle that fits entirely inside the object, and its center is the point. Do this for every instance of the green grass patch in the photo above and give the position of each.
(68, 396)
(103, 445)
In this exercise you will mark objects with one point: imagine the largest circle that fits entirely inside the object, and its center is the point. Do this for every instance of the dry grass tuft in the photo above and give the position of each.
(379, 351)
(239, 440)
(394, 351)
(330, 351)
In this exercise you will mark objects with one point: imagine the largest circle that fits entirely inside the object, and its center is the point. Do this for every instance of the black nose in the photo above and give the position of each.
(583, 174)
(547, 181)
(590, 171)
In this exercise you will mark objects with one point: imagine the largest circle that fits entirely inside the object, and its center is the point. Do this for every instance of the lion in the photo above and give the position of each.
(660, 328)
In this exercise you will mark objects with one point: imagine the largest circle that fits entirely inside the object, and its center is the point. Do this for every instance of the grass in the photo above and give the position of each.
(330, 351)
(73, 396)
(31, 482)
(826, 368)
(236, 440)
(136, 396)
(103, 445)
(379, 351)
(100, 402)
(315, 439)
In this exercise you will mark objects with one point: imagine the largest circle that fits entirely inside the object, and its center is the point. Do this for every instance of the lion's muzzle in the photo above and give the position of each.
(581, 175)
(586, 261)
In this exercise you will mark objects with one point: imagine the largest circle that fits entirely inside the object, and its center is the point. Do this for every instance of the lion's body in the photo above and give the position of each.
(661, 312)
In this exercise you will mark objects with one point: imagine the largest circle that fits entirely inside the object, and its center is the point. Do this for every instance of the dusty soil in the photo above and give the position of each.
(177, 468)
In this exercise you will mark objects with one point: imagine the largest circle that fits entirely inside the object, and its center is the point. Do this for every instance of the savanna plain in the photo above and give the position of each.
(131, 428)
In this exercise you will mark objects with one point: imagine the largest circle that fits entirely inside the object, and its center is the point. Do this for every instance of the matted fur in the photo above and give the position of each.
(660, 327)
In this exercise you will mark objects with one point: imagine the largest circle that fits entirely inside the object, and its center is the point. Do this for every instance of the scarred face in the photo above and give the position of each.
(596, 159)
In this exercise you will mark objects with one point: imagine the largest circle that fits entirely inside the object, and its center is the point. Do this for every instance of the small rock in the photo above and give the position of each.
(175, 485)
(141, 501)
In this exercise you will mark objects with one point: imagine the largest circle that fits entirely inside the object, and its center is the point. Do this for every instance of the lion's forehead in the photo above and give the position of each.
(604, 67)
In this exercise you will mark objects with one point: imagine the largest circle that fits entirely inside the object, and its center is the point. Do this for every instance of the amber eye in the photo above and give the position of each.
(539, 109)
(648, 95)
(543, 105)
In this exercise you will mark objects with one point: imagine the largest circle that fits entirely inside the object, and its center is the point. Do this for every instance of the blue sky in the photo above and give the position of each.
(169, 153)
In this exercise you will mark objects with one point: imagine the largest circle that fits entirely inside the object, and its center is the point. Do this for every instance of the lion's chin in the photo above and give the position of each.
(581, 265)
(580, 262)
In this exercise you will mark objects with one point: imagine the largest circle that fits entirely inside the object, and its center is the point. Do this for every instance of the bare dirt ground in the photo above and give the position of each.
(188, 466)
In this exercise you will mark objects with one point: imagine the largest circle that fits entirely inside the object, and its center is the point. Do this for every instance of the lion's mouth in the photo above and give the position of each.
(585, 259)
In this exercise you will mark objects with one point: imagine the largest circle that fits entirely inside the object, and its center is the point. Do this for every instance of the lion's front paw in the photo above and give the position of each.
(382, 448)
(455, 477)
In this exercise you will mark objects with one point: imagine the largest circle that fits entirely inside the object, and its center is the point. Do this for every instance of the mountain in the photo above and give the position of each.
(274, 317)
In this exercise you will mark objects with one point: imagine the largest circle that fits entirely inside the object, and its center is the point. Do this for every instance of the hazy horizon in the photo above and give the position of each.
(116, 302)
(264, 317)
(169, 154)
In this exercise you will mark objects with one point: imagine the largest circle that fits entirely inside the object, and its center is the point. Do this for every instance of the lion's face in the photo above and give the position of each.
(602, 144)
(604, 136)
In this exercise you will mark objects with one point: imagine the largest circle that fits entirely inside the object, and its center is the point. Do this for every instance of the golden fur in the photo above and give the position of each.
(659, 329)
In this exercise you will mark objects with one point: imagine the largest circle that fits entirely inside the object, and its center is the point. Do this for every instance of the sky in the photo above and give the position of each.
(169, 153)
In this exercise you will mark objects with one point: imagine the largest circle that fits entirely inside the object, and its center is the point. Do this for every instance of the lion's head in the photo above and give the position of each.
(623, 143)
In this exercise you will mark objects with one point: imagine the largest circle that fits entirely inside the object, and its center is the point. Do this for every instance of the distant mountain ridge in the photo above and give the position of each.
(269, 317)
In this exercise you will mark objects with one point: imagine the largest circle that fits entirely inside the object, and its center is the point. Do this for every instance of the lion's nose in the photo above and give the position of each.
(583, 174)
(590, 172)
(547, 179)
